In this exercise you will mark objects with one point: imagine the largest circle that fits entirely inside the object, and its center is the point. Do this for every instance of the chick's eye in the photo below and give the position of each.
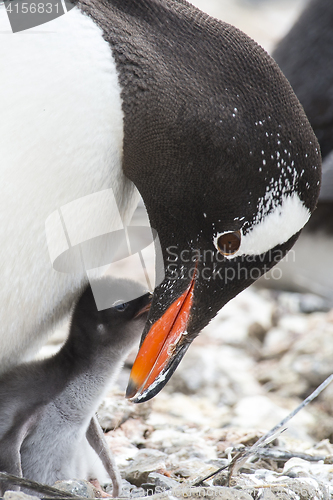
(229, 243)
(121, 306)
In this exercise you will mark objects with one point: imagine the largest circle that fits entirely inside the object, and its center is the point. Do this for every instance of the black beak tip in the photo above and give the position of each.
(157, 386)
(131, 390)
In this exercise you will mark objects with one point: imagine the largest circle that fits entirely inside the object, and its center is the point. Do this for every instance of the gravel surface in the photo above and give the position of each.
(251, 366)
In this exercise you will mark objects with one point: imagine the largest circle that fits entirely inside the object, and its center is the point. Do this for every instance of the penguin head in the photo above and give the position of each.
(112, 330)
(225, 160)
(236, 229)
(241, 168)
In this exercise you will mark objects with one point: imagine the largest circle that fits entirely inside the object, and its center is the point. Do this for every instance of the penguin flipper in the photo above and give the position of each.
(97, 441)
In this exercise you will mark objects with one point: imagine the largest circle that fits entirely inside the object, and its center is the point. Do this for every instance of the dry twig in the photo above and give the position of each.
(243, 456)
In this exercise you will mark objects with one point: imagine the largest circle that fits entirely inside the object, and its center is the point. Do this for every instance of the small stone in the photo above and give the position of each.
(263, 412)
(277, 342)
(78, 487)
(183, 472)
(136, 431)
(149, 488)
(221, 479)
(18, 495)
(218, 462)
(194, 470)
(113, 412)
(162, 481)
(282, 487)
(128, 490)
(145, 462)
(234, 320)
(181, 443)
(257, 331)
(121, 447)
(138, 493)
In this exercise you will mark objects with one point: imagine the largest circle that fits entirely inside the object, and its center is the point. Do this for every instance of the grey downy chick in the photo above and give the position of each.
(48, 428)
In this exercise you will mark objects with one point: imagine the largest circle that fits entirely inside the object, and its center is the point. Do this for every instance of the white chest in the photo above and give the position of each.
(61, 133)
(56, 447)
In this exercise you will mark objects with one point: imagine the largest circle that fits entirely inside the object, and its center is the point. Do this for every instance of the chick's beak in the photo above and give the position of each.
(147, 305)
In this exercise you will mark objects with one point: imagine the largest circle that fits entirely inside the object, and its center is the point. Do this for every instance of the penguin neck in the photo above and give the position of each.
(88, 375)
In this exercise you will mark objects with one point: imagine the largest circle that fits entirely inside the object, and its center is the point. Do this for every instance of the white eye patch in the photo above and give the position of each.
(275, 228)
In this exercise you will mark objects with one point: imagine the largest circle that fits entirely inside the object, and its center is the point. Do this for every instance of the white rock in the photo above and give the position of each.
(232, 323)
(18, 495)
(261, 412)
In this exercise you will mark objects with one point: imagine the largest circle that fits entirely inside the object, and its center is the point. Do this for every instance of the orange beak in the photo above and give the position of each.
(160, 344)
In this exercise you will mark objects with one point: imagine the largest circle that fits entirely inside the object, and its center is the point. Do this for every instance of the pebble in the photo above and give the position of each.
(78, 487)
(115, 410)
(263, 413)
(164, 482)
(233, 322)
(128, 490)
(219, 373)
(145, 462)
(18, 495)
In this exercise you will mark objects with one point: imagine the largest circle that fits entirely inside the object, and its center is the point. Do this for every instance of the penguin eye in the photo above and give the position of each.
(120, 306)
(229, 243)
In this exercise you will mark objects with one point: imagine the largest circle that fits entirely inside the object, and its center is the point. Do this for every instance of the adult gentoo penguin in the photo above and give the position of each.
(48, 428)
(152, 94)
(305, 56)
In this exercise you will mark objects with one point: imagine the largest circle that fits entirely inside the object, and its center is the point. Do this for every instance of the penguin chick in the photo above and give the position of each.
(48, 428)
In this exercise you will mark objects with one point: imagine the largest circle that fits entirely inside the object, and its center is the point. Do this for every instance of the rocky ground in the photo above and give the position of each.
(249, 368)
(259, 358)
